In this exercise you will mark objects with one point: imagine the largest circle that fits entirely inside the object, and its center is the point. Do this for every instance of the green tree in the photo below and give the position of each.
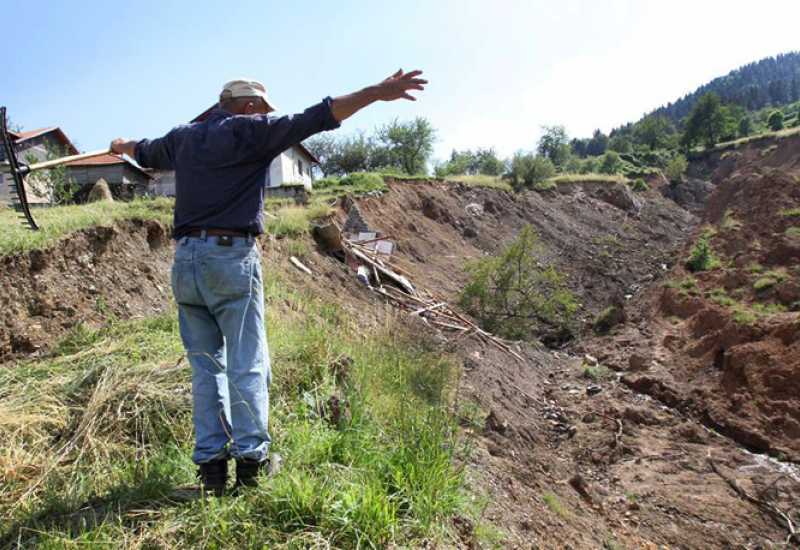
(516, 296)
(653, 131)
(554, 144)
(323, 146)
(775, 120)
(745, 126)
(597, 145)
(528, 169)
(611, 163)
(706, 123)
(488, 163)
(676, 168)
(408, 144)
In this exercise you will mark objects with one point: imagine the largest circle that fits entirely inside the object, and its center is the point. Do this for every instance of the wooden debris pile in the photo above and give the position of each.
(369, 255)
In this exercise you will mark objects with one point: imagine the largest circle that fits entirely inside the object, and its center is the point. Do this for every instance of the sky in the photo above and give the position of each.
(498, 70)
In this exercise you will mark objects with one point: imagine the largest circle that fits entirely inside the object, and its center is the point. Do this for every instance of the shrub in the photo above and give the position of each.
(639, 185)
(702, 256)
(676, 168)
(528, 169)
(515, 296)
(775, 121)
(362, 180)
(745, 126)
(611, 164)
(324, 183)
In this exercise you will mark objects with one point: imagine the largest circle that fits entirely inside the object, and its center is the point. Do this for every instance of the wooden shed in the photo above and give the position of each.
(125, 179)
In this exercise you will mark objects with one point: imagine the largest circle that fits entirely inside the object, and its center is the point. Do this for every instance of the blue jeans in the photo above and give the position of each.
(221, 314)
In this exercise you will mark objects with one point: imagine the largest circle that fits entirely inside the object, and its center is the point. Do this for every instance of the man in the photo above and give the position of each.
(220, 166)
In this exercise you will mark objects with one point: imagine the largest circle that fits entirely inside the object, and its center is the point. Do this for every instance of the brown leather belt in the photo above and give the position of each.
(217, 233)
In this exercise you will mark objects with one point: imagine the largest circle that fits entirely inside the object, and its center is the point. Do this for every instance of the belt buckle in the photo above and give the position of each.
(225, 240)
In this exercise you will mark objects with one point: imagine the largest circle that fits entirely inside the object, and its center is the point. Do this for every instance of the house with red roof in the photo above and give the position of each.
(125, 179)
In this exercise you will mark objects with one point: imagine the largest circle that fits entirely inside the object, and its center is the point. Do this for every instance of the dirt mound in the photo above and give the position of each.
(90, 277)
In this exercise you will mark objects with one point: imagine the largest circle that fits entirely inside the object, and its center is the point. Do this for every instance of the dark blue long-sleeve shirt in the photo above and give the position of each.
(222, 163)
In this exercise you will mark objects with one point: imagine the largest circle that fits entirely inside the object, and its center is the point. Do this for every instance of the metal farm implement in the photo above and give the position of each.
(20, 170)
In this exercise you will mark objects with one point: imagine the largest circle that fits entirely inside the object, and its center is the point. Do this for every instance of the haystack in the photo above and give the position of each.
(100, 192)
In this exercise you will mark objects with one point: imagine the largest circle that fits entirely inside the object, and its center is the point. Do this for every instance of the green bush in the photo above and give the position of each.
(324, 183)
(362, 179)
(611, 164)
(676, 168)
(639, 185)
(528, 169)
(702, 256)
(517, 297)
(775, 121)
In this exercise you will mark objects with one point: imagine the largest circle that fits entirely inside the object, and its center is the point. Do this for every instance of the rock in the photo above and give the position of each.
(470, 232)
(637, 362)
(474, 209)
(640, 416)
(588, 418)
(581, 487)
(490, 207)
(590, 360)
(495, 424)
(593, 389)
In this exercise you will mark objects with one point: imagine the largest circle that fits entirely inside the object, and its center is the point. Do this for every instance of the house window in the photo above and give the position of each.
(300, 167)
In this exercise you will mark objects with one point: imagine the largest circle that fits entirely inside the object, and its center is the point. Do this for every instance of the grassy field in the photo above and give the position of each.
(97, 436)
(587, 178)
(780, 134)
(479, 180)
(59, 221)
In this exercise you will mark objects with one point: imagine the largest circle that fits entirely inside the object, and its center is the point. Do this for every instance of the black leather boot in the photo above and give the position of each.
(247, 472)
(214, 476)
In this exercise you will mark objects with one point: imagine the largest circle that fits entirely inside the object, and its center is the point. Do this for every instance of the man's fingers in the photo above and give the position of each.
(398, 74)
(412, 74)
(409, 97)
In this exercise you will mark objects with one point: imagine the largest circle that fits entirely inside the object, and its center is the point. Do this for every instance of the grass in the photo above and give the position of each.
(780, 134)
(598, 373)
(793, 233)
(97, 436)
(480, 180)
(720, 296)
(293, 221)
(554, 504)
(686, 286)
(791, 213)
(59, 221)
(588, 178)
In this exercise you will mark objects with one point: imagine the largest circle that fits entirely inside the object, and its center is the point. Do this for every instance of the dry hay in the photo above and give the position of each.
(100, 192)
(109, 414)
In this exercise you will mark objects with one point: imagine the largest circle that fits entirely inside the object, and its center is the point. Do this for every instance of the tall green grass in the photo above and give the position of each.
(59, 221)
(97, 436)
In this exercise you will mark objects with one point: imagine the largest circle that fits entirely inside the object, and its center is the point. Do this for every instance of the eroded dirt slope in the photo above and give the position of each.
(724, 344)
(95, 274)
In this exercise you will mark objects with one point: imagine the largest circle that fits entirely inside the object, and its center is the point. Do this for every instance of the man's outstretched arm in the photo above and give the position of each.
(395, 87)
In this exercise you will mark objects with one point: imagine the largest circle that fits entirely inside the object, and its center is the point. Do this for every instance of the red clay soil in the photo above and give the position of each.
(119, 271)
(724, 345)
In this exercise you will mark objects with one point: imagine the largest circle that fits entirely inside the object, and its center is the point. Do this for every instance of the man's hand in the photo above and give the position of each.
(398, 85)
(395, 87)
(122, 146)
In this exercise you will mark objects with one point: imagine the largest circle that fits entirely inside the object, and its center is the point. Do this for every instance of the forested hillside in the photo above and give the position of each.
(770, 81)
